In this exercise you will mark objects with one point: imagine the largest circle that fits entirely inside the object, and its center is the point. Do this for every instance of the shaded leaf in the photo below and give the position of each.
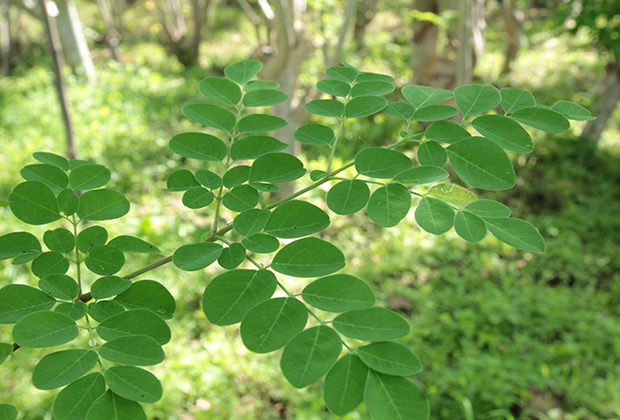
(18, 243)
(543, 119)
(181, 180)
(232, 256)
(68, 202)
(572, 111)
(208, 179)
(374, 77)
(133, 383)
(420, 96)
(50, 175)
(197, 198)
(59, 240)
(148, 294)
(421, 175)
(128, 243)
(488, 208)
(49, 263)
(334, 87)
(236, 176)
(102, 204)
(345, 74)
(295, 219)
(261, 243)
(241, 198)
(390, 358)
(433, 154)
(110, 406)
(513, 99)
(105, 260)
(104, 309)
(264, 97)
(251, 221)
(260, 84)
(59, 286)
(6, 349)
(108, 286)
(243, 71)
(276, 167)
(91, 237)
(317, 134)
(325, 107)
(400, 110)
(371, 88)
(75, 310)
(434, 112)
(52, 159)
(469, 227)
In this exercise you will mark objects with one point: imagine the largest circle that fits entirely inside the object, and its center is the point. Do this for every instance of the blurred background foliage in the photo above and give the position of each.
(502, 333)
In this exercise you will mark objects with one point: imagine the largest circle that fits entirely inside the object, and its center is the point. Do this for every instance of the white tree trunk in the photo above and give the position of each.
(74, 46)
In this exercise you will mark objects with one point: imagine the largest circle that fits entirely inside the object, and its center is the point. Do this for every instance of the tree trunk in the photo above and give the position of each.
(74, 46)
(608, 98)
(425, 38)
(364, 14)
(5, 34)
(513, 25)
(112, 35)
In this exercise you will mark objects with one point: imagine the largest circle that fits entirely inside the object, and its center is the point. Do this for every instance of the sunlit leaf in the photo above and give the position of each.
(345, 74)
(513, 99)
(453, 194)
(488, 208)
(135, 322)
(148, 294)
(364, 106)
(221, 90)
(325, 107)
(432, 153)
(91, 237)
(334, 87)
(199, 146)
(251, 221)
(49, 263)
(400, 110)
(421, 175)
(394, 398)
(264, 97)
(388, 205)
(181, 180)
(44, 329)
(544, 119)
(344, 385)
(390, 358)
(105, 260)
(18, 243)
(33, 202)
(243, 71)
(59, 286)
(420, 96)
(211, 116)
(128, 243)
(295, 219)
(255, 146)
(133, 383)
(88, 177)
(19, 300)
(506, 132)
(371, 88)
(379, 162)
(371, 324)
(339, 293)
(52, 159)
(469, 226)
(476, 99)
(73, 402)
(434, 216)
(434, 112)
(63, 367)
(317, 134)
(348, 197)
(241, 198)
(259, 123)
(108, 286)
(50, 175)
(516, 233)
(572, 111)
(308, 257)
(446, 132)
(196, 256)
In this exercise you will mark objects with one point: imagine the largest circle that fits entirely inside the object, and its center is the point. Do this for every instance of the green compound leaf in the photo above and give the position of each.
(261, 243)
(374, 77)
(19, 300)
(128, 243)
(211, 116)
(181, 180)
(317, 134)
(63, 367)
(334, 87)
(513, 99)
(150, 295)
(135, 322)
(516, 233)
(110, 406)
(105, 260)
(310, 355)
(50, 175)
(68, 202)
(108, 286)
(133, 383)
(75, 311)
(371, 88)
(433, 154)
(482, 163)
(73, 402)
(390, 358)
(476, 99)
(208, 179)
(339, 293)
(469, 227)
(453, 194)
(8, 412)
(348, 197)
(488, 208)
(420, 96)
(388, 205)
(6, 349)
(421, 175)
(377, 162)
(236, 176)
(18, 243)
(197, 198)
(50, 263)
(504, 131)
(325, 107)
(102, 204)
(344, 74)
(251, 221)
(91, 237)
(277, 168)
(308, 257)
(394, 398)
(434, 216)
(59, 286)
(76, 163)
(232, 257)
(446, 132)
(434, 112)
(104, 309)
(400, 110)
(543, 119)
(133, 350)
(344, 385)
(52, 159)
(295, 219)
(25, 258)
(260, 84)
(371, 324)
(59, 240)
(196, 256)
(229, 296)
(221, 90)
(271, 324)
(241, 198)
(44, 329)
(243, 71)
(88, 177)
(260, 123)
(199, 146)
(33, 202)
(264, 97)
(255, 146)
(572, 111)
(364, 106)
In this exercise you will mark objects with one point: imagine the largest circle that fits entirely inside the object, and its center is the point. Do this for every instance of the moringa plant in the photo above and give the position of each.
(113, 326)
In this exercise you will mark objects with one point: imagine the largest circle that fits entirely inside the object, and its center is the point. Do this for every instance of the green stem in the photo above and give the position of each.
(77, 257)
(335, 143)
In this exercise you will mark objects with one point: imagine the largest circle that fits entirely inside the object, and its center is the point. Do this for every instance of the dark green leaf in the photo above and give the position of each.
(394, 398)
(364, 106)
(52, 159)
(181, 180)
(276, 167)
(110, 406)
(241, 198)
(344, 74)
(374, 77)
(453, 194)
(102, 204)
(446, 132)
(59, 240)
(208, 179)
(232, 256)
(260, 84)
(33, 202)
(572, 111)
(50, 175)
(133, 383)
(264, 97)
(488, 208)
(434, 112)
(19, 300)
(344, 385)
(211, 116)
(420, 96)
(91, 237)
(196, 256)
(348, 197)
(18, 243)
(197, 198)
(25, 258)
(8, 412)
(128, 243)
(317, 174)
(6, 349)
(421, 175)
(516, 233)
(271, 324)
(261, 243)
(469, 227)
(476, 99)
(199, 146)
(432, 153)
(104, 309)
(73, 402)
(325, 107)
(63, 367)
(230, 295)
(434, 216)
(133, 350)
(260, 123)
(76, 163)
(371, 88)
(68, 202)
(308, 257)
(317, 134)
(543, 119)
(400, 110)
(135, 322)
(339, 293)
(59, 286)
(513, 99)
(371, 324)
(236, 176)
(75, 311)
(221, 90)
(334, 87)
(105, 260)
(377, 162)
(50, 263)
(255, 146)
(108, 286)
(44, 329)
(88, 177)
(390, 358)
(251, 221)
(243, 71)
(388, 205)
(148, 294)
(504, 131)
(295, 219)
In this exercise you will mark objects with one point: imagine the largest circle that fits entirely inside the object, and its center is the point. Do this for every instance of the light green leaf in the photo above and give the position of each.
(260, 84)
(371, 324)
(105, 260)
(236, 176)
(325, 107)
(50, 175)
(148, 294)
(488, 208)
(453, 194)
(232, 256)
(432, 153)
(133, 350)
(243, 71)
(241, 198)
(310, 355)
(334, 87)
(230, 295)
(378, 162)
(344, 385)
(8, 412)
(390, 358)
(52, 159)
(295, 219)
(344, 74)
(476, 99)
(388, 205)
(49, 263)
(197, 198)
(91, 237)
(434, 216)
(400, 110)
(420, 96)
(516, 233)
(348, 197)
(25, 258)
(33, 202)
(104, 309)
(16, 244)
(255, 146)
(482, 163)
(62, 368)
(421, 175)
(73, 402)
(271, 324)
(513, 99)
(251, 221)
(6, 349)
(181, 180)
(68, 202)
(261, 243)
(128, 243)
(364, 106)
(259, 123)
(44, 329)
(339, 293)
(394, 398)
(276, 167)
(469, 226)
(208, 179)
(572, 111)
(19, 300)
(110, 406)
(371, 88)
(59, 286)
(88, 177)
(211, 116)
(199, 146)
(221, 90)
(59, 240)
(504, 131)
(75, 310)
(308, 257)
(264, 97)
(102, 204)
(446, 132)
(317, 134)
(108, 286)
(133, 383)
(374, 77)
(135, 322)
(544, 119)
(196, 256)
(434, 112)
(316, 174)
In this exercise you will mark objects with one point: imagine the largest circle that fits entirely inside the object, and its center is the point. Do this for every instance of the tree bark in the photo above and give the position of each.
(364, 14)
(513, 25)
(608, 98)
(5, 34)
(112, 35)
(74, 46)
